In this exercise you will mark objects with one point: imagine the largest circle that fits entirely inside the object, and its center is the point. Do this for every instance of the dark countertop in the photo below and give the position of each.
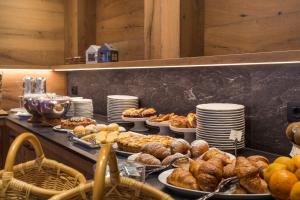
(62, 139)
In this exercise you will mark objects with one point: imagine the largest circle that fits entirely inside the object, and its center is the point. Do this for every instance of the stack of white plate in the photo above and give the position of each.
(71, 111)
(81, 107)
(215, 121)
(116, 104)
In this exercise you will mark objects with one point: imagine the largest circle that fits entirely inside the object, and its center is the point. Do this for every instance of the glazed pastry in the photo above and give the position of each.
(156, 149)
(76, 121)
(179, 122)
(148, 112)
(180, 146)
(183, 179)
(79, 130)
(147, 159)
(216, 153)
(162, 117)
(256, 158)
(240, 190)
(170, 158)
(229, 170)
(249, 176)
(124, 135)
(198, 147)
(112, 137)
(207, 173)
(191, 120)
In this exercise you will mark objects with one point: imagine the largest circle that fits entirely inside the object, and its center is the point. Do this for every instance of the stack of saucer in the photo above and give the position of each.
(215, 121)
(71, 111)
(82, 107)
(116, 104)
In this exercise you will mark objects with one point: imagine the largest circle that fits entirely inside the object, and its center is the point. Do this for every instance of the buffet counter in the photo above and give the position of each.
(57, 146)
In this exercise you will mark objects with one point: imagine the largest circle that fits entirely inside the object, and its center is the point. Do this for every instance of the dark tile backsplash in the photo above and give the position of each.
(264, 90)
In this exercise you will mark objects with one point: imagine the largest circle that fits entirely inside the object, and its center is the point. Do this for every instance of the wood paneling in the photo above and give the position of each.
(32, 32)
(12, 84)
(121, 22)
(241, 26)
(80, 26)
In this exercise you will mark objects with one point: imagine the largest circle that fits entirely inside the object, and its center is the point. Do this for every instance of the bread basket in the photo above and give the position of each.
(114, 187)
(37, 179)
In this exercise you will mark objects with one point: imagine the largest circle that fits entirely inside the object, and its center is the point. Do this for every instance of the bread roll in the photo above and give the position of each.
(180, 146)
(170, 158)
(156, 149)
(199, 147)
(147, 159)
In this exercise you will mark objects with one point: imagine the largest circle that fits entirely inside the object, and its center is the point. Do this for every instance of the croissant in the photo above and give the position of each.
(156, 149)
(191, 120)
(215, 153)
(229, 170)
(181, 178)
(249, 176)
(207, 173)
(147, 159)
(260, 162)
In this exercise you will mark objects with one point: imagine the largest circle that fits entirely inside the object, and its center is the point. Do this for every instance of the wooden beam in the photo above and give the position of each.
(80, 26)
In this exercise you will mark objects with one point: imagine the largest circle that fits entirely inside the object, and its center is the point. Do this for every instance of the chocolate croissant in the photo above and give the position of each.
(156, 149)
(181, 178)
(249, 176)
(147, 159)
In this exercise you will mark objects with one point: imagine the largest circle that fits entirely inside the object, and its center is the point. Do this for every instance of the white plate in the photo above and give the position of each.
(201, 116)
(131, 119)
(158, 124)
(220, 106)
(183, 130)
(220, 129)
(220, 124)
(163, 179)
(212, 120)
(122, 97)
(59, 129)
(23, 114)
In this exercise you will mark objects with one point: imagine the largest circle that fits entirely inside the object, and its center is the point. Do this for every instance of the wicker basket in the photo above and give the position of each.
(37, 179)
(114, 187)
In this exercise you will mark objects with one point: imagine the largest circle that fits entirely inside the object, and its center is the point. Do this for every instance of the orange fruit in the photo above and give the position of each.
(296, 160)
(286, 161)
(297, 173)
(281, 183)
(273, 167)
(295, 193)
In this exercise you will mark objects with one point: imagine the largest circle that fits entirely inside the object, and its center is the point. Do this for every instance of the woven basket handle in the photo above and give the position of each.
(17, 144)
(105, 155)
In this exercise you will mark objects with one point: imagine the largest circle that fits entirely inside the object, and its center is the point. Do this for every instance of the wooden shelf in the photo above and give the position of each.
(204, 61)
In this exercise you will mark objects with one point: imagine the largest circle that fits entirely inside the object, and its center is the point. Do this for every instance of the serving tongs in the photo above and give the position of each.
(166, 167)
(223, 184)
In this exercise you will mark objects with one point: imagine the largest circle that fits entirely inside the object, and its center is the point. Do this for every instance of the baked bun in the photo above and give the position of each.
(147, 159)
(198, 147)
(180, 146)
(156, 149)
(170, 158)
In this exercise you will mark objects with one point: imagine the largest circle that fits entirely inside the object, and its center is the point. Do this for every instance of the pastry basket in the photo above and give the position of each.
(37, 179)
(114, 187)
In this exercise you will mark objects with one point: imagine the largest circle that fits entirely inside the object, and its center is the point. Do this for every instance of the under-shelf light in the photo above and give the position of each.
(178, 66)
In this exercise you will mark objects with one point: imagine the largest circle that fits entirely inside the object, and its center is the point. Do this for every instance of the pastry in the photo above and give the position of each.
(136, 142)
(182, 178)
(240, 190)
(179, 122)
(256, 158)
(148, 112)
(101, 127)
(216, 153)
(112, 137)
(207, 173)
(249, 176)
(124, 135)
(147, 159)
(90, 129)
(229, 170)
(260, 162)
(113, 127)
(76, 121)
(162, 118)
(180, 146)
(170, 158)
(198, 147)
(156, 149)
(79, 130)
(191, 120)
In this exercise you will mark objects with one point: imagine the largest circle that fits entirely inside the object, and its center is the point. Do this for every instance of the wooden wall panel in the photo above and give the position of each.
(121, 23)
(12, 84)
(31, 32)
(241, 26)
